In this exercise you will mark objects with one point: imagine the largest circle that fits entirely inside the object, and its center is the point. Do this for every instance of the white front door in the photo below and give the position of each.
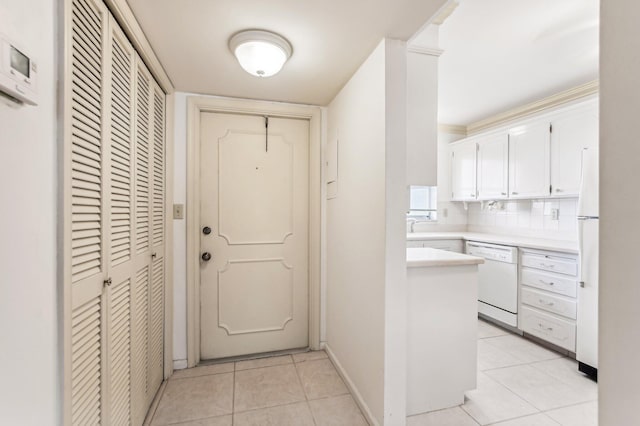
(254, 200)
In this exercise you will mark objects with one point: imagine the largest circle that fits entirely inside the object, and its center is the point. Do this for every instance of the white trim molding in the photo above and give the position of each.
(527, 110)
(352, 387)
(196, 105)
(431, 51)
(127, 20)
(453, 129)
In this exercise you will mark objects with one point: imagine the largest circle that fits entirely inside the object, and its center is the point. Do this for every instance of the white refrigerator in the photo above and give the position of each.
(588, 220)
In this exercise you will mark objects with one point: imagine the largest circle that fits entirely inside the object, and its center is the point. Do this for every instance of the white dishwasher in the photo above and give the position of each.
(497, 281)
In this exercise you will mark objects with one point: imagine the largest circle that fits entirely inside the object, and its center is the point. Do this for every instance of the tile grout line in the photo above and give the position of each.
(233, 396)
(313, 417)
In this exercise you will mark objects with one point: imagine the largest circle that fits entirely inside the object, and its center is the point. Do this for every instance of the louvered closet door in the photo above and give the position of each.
(156, 300)
(88, 204)
(121, 178)
(141, 392)
(114, 192)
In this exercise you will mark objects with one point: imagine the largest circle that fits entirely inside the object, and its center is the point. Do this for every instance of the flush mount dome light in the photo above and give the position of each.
(260, 53)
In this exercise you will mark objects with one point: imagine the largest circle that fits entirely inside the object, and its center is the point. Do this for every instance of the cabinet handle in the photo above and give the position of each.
(550, 266)
(545, 328)
(558, 190)
(504, 193)
(544, 302)
(472, 195)
(547, 282)
(514, 193)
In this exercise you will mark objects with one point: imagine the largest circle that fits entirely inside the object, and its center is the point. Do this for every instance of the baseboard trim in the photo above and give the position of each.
(352, 388)
(179, 364)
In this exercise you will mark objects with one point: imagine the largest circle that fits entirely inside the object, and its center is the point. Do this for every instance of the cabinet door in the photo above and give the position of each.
(571, 133)
(529, 161)
(493, 167)
(463, 171)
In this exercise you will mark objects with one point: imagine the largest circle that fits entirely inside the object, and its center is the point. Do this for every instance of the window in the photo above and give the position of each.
(423, 202)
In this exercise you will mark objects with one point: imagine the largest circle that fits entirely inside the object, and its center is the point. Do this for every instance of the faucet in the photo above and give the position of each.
(413, 222)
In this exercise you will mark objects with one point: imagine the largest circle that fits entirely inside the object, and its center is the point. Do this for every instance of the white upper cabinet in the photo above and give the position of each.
(463, 171)
(529, 160)
(572, 131)
(493, 166)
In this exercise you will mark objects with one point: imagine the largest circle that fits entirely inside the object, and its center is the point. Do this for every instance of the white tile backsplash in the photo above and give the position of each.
(531, 218)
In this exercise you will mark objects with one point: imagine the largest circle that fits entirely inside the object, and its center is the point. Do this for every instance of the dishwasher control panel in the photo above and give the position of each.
(495, 252)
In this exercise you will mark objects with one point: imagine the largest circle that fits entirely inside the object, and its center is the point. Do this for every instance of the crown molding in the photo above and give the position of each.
(453, 129)
(526, 110)
(445, 12)
(425, 50)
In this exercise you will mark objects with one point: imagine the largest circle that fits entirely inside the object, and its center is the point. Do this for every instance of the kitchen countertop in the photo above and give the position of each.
(508, 240)
(429, 257)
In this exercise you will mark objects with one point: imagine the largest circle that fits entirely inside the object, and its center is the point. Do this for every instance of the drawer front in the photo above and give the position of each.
(555, 330)
(415, 244)
(550, 282)
(448, 245)
(549, 263)
(549, 302)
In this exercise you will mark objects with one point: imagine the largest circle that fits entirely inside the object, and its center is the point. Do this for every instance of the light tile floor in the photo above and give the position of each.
(520, 383)
(297, 390)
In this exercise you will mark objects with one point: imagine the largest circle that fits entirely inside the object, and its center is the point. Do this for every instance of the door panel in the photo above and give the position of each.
(463, 171)
(254, 196)
(529, 174)
(255, 188)
(493, 167)
(572, 133)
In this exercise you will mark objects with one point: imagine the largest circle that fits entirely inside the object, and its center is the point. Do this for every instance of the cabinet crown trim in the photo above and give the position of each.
(527, 110)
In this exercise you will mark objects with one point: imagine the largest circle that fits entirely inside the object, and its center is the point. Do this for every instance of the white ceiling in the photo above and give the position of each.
(499, 54)
(330, 39)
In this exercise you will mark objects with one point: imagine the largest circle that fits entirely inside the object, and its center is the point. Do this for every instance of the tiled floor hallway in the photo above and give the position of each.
(519, 384)
(297, 390)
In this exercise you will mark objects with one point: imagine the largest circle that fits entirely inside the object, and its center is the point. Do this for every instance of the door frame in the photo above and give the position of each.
(196, 105)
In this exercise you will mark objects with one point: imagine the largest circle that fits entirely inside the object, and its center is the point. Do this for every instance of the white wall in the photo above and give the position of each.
(366, 267)
(619, 375)
(30, 392)
(355, 254)
(180, 234)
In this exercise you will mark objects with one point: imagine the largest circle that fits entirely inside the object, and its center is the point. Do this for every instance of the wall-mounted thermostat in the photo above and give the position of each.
(18, 72)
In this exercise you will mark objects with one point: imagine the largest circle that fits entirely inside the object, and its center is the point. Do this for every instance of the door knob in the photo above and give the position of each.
(206, 256)
(206, 230)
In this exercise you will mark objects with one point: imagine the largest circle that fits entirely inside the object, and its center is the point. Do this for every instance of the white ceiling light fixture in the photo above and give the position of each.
(260, 53)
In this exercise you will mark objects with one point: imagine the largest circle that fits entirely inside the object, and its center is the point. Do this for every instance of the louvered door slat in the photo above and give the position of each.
(86, 363)
(120, 353)
(158, 168)
(142, 162)
(85, 100)
(121, 152)
(139, 345)
(156, 325)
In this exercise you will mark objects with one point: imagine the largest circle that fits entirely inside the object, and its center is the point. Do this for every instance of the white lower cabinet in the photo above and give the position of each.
(548, 305)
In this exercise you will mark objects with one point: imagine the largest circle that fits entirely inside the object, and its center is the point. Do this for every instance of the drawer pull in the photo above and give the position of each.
(547, 282)
(550, 266)
(545, 328)
(546, 303)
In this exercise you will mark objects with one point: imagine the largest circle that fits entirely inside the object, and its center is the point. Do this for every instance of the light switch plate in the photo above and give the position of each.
(178, 211)
(555, 214)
